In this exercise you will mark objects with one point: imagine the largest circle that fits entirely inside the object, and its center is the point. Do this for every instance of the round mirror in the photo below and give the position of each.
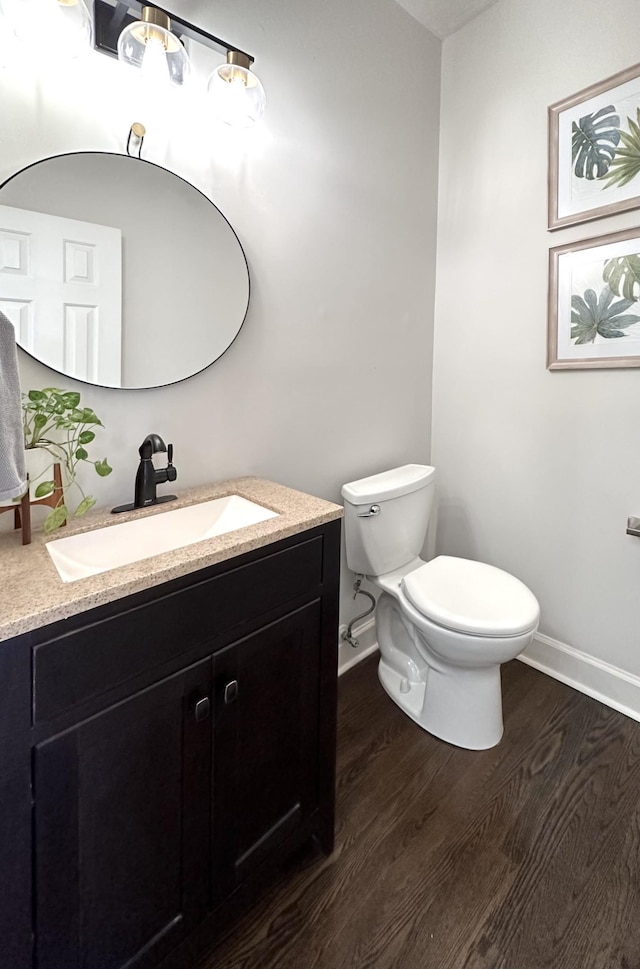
(117, 272)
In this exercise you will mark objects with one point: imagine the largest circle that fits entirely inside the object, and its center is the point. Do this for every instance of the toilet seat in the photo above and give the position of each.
(471, 597)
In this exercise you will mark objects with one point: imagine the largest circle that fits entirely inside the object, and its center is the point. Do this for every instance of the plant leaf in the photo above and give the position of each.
(610, 332)
(622, 274)
(89, 417)
(81, 454)
(86, 437)
(594, 141)
(592, 302)
(84, 506)
(45, 488)
(103, 468)
(592, 316)
(626, 163)
(71, 399)
(627, 320)
(57, 518)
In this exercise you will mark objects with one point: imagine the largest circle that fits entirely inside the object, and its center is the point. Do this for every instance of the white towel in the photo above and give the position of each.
(13, 475)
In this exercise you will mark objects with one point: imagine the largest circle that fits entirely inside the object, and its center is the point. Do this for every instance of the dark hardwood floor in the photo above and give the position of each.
(521, 857)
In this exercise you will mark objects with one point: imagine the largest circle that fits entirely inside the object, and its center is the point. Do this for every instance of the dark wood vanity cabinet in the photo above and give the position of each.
(181, 743)
(121, 828)
(266, 705)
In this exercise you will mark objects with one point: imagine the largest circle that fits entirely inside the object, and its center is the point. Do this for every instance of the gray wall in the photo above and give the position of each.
(538, 470)
(334, 199)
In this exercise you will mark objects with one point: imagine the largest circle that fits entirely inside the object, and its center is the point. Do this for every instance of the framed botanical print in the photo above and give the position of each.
(594, 151)
(594, 303)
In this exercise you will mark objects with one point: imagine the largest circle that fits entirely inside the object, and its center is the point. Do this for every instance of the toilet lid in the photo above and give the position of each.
(471, 597)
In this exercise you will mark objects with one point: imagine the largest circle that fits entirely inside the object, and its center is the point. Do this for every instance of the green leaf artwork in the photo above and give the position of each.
(594, 141)
(593, 316)
(626, 163)
(622, 275)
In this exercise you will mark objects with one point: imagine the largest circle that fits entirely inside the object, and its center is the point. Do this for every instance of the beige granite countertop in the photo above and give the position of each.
(32, 594)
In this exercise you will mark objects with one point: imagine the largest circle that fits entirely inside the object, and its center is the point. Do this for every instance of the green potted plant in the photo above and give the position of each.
(55, 422)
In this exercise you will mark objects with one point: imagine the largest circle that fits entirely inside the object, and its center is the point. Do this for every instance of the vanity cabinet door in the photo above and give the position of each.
(266, 695)
(122, 819)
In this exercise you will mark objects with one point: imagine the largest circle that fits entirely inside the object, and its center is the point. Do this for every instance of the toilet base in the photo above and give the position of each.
(460, 706)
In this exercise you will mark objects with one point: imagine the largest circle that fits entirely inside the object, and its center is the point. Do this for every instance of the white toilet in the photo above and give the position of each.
(444, 626)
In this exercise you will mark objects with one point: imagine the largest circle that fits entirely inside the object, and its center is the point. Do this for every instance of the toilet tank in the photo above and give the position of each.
(379, 543)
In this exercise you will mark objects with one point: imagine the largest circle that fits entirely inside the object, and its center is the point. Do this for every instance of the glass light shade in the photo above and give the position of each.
(153, 49)
(237, 94)
(59, 27)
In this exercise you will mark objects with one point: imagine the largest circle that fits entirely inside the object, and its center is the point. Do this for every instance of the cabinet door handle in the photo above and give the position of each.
(231, 691)
(202, 708)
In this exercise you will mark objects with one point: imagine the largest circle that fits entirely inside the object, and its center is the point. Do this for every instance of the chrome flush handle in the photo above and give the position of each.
(373, 511)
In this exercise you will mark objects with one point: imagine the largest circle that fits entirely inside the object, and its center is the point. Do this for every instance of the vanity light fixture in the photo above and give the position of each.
(150, 45)
(238, 96)
(151, 38)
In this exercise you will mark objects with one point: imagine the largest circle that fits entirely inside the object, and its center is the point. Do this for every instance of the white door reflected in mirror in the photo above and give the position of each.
(62, 290)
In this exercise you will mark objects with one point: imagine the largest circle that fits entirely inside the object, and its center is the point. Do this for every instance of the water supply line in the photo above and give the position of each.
(347, 633)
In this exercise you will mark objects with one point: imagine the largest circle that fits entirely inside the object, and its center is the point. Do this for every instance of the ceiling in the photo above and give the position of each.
(444, 17)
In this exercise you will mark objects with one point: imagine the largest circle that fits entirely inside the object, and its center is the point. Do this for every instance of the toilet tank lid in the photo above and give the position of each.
(388, 484)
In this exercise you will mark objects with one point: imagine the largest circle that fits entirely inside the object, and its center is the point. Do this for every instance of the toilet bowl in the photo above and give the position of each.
(444, 626)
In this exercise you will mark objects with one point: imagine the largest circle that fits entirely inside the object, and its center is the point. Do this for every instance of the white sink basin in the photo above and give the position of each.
(107, 548)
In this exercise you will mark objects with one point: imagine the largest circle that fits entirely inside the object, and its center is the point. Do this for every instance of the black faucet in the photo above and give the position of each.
(148, 477)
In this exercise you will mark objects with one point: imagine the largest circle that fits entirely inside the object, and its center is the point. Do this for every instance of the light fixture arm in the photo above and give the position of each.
(111, 16)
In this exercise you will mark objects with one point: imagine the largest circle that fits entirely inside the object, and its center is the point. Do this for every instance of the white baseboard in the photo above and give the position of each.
(609, 684)
(349, 655)
(602, 681)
